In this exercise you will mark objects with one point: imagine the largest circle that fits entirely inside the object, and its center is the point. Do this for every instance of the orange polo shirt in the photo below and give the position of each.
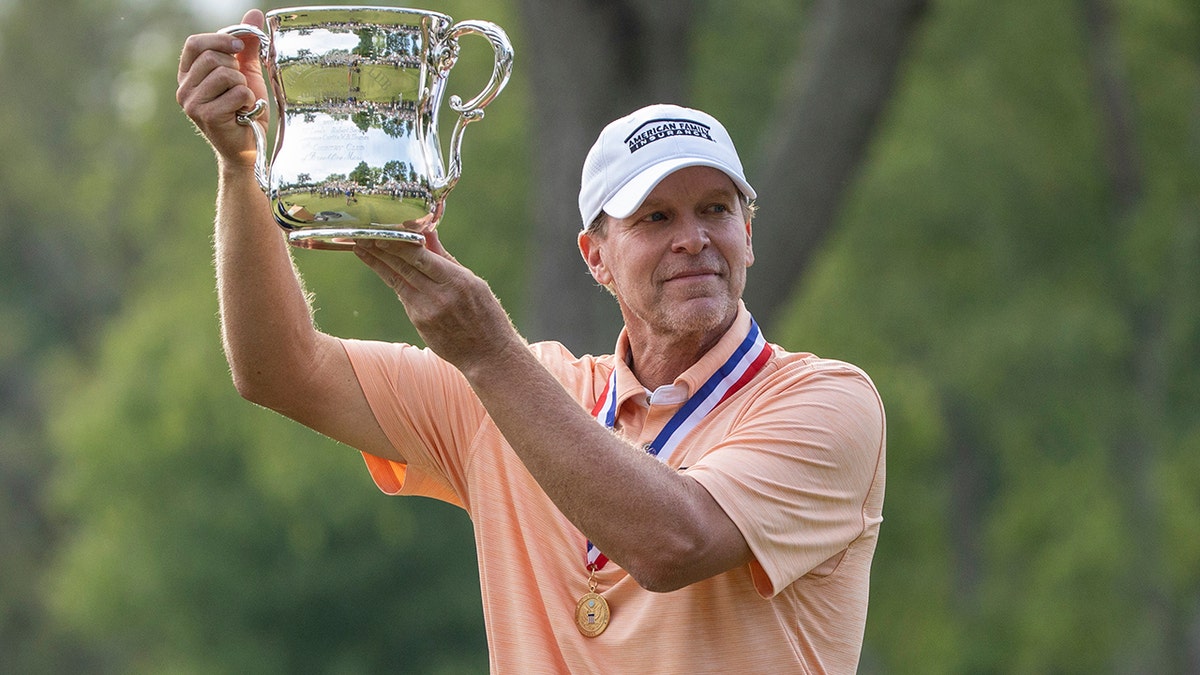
(796, 459)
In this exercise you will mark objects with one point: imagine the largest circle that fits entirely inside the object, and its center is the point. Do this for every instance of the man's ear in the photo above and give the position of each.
(591, 248)
(749, 245)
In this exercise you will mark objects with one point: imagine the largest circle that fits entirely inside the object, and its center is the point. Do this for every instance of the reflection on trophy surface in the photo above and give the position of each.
(357, 93)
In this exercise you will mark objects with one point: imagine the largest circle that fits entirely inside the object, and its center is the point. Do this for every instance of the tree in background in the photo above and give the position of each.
(71, 191)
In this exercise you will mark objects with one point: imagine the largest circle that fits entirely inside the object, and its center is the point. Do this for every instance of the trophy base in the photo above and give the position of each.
(342, 238)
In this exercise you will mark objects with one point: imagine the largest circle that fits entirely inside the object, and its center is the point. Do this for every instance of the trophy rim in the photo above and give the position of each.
(356, 8)
(342, 239)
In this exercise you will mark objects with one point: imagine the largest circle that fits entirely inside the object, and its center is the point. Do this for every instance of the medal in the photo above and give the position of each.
(591, 612)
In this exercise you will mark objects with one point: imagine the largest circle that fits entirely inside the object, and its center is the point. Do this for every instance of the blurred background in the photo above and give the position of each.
(992, 207)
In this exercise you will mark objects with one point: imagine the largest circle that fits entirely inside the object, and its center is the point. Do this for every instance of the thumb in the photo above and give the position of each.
(254, 17)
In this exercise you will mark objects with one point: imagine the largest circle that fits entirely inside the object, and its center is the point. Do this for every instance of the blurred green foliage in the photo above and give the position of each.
(1035, 335)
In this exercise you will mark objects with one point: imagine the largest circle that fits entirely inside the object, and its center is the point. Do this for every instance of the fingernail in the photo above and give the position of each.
(237, 45)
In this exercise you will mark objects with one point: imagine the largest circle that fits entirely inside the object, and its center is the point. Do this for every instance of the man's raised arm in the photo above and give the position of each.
(277, 356)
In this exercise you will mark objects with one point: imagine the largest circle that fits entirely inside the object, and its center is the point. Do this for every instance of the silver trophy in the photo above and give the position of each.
(357, 94)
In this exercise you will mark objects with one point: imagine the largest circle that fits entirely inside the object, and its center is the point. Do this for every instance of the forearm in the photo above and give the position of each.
(658, 524)
(266, 322)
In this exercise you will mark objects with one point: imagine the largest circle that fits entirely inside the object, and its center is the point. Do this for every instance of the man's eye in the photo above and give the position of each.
(657, 217)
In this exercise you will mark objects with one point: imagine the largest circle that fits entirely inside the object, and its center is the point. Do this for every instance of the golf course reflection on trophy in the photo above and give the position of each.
(357, 94)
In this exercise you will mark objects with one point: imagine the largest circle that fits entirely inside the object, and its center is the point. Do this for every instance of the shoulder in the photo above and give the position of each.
(809, 370)
(804, 386)
(583, 377)
(559, 360)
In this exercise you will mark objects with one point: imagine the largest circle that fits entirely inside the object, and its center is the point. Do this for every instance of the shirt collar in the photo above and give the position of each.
(691, 379)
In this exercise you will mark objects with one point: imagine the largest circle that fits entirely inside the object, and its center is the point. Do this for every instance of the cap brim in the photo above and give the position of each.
(631, 195)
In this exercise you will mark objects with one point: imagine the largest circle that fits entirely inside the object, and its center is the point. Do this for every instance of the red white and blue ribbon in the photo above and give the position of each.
(741, 367)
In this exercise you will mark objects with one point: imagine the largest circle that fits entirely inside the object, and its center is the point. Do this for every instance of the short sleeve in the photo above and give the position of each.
(801, 470)
(427, 411)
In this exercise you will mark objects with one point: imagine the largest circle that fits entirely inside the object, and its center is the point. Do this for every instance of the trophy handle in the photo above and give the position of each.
(246, 117)
(473, 110)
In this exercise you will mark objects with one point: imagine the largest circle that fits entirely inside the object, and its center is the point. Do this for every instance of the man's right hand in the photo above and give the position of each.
(219, 76)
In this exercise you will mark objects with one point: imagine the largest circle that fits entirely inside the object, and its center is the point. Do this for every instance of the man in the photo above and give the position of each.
(723, 513)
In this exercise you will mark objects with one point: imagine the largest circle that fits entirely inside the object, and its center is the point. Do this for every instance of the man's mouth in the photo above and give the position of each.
(692, 274)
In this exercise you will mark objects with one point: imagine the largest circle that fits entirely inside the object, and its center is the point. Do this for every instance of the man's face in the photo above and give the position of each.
(678, 264)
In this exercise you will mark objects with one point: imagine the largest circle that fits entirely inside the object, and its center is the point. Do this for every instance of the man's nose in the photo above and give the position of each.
(691, 235)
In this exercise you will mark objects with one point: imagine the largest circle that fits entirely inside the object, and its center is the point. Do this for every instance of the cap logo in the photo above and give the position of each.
(656, 130)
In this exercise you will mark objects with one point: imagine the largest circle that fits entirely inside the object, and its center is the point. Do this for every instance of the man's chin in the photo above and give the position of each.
(702, 314)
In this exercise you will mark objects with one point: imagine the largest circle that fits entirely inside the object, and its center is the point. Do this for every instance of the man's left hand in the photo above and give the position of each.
(453, 309)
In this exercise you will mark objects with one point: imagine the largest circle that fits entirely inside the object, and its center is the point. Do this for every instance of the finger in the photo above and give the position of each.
(215, 97)
(385, 270)
(197, 45)
(419, 265)
(225, 107)
(210, 75)
(434, 243)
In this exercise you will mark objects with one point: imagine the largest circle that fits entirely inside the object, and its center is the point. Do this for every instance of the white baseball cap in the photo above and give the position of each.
(635, 153)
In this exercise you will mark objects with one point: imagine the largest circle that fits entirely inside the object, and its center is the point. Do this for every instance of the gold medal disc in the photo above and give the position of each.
(591, 614)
